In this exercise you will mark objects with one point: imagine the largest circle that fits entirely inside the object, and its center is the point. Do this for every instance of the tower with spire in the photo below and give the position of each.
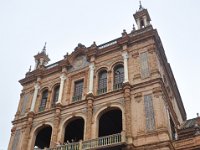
(41, 59)
(142, 17)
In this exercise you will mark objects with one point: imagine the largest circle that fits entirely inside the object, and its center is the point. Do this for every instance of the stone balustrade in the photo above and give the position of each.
(105, 141)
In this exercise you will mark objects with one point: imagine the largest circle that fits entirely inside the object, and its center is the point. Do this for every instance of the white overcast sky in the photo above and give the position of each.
(25, 25)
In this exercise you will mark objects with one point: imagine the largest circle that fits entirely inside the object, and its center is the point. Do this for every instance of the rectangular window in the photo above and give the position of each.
(78, 90)
(144, 68)
(149, 112)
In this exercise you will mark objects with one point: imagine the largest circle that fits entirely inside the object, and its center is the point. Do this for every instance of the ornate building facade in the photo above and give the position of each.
(120, 95)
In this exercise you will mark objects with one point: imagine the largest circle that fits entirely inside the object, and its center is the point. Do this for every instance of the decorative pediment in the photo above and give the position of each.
(78, 51)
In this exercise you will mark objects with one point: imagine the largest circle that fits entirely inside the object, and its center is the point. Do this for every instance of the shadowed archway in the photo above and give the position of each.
(43, 137)
(110, 122)
(74, 130)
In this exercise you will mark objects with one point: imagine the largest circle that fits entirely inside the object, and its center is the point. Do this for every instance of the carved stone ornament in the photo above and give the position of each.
(138, 97)
(157, 91)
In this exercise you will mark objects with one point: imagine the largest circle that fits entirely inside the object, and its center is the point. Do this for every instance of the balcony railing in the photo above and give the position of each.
(41, 108)
(76, 98)
(117, 86)
(105, 141)
(101, 91)
(98, 143)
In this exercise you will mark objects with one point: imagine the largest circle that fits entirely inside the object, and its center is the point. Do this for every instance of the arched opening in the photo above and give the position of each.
(74, 131)
(118, 77)
(102, 82)
(110, 122)
(43, 137)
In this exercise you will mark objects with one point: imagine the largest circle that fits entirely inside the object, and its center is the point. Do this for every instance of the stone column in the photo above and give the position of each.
(62, 81)
(27, 131)
(90, 99)
(127, 99)
(145, 21)
(36, 64)
(91, 78)
(125, 56)
(37, 87)
(54, 139)
(138, 23)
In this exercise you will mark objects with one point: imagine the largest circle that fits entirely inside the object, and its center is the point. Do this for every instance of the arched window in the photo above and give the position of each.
(102, 83)
(43, 101)
(55, 95)
(43, 137)
(118, 77)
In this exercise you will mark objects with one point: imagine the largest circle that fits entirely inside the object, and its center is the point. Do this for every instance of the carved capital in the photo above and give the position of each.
(58, 106)
(30, 114)
(90, 96)
(63, 77)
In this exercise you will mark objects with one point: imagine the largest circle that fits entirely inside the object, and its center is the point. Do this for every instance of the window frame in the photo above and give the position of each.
(102, 83)
(118, 85)
(55, 96)
(43, 101)
(78, 96)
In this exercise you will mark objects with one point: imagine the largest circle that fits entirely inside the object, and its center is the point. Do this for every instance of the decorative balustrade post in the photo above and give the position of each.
(123, 136)
(80, 145)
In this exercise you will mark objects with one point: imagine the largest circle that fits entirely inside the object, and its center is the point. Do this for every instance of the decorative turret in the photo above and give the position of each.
(41, 59)
(142, 17)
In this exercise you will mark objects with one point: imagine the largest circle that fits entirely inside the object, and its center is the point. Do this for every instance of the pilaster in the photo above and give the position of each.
(91, 78)
(88, 133)
(127, 98)
(27, 130)
(125, 56)
(56, 123)
(35, 94)
(62, 81)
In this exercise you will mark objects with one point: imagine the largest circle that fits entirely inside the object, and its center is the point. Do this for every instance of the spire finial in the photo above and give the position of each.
(140, 6)
(44, 48)
(29, 69)
(197, 115)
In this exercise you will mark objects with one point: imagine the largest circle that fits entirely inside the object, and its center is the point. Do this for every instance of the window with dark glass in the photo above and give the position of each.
(43, 100)
(78, 90)
(55, 95)
(102, 83)
(118, 77)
